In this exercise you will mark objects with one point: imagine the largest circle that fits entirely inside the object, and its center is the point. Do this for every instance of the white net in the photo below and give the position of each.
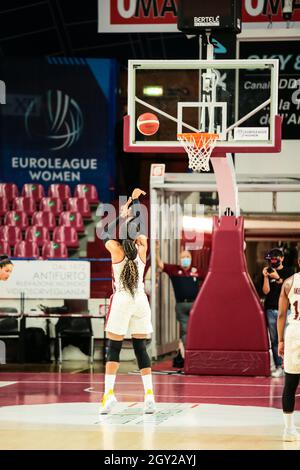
(199, 147)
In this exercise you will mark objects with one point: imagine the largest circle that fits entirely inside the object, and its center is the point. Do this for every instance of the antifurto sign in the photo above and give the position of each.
(48, 280)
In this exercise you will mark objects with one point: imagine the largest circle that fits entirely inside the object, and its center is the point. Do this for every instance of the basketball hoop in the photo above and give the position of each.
(199, 147)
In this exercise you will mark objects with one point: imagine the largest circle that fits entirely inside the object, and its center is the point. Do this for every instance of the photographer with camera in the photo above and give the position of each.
(274, 276)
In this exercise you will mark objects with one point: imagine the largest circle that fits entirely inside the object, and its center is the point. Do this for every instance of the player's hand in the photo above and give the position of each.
(265, 272)
(137, 192)
(281, 349)
(125, 209)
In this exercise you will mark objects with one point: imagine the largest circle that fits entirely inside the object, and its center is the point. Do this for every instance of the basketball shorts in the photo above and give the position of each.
(129, 315)
(292, 348)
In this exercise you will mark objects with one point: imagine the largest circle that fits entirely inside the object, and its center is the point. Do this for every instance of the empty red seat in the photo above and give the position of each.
(4, 206)
(60, 191)
(25, 204)
(17, 218)
(67, 235)
(4, 248)
(37, 234)
(79, 204)
(89, 191)
(10, 234)
(25, 249)
(45, 219)
(51, 204)
(9, 190)
(54, 250)
(36, 191)
(72, 219)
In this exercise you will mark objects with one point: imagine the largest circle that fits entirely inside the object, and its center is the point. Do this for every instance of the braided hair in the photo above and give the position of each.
(130, 275)
(4, 260)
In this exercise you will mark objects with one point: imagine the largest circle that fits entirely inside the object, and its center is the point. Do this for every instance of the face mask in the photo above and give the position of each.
(185, 262)
(275, 263)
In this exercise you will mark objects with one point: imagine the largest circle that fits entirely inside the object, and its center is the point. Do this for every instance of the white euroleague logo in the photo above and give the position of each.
(2, 92)
(2, 353)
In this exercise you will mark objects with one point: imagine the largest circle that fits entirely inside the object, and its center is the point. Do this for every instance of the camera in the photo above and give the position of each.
(270, 270)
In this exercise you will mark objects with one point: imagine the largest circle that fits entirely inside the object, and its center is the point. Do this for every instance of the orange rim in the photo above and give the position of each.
(199, 138)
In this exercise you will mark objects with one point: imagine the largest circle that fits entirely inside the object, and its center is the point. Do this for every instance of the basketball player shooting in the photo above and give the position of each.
(289, 350)
(129, 307)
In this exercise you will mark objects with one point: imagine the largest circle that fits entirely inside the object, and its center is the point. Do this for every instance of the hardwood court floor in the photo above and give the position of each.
(59, 410)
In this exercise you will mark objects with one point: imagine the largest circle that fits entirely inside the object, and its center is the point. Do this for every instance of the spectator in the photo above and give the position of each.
(274, 276)
(186, 282)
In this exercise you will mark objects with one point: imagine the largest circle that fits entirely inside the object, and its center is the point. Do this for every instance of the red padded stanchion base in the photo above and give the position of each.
(227, 331)
(250, 363)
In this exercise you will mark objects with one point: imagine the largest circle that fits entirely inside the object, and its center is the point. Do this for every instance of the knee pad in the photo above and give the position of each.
(113, 350)
(142, 357)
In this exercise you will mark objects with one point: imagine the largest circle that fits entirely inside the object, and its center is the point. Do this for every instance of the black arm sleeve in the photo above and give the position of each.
(139, 217)
(109, 230)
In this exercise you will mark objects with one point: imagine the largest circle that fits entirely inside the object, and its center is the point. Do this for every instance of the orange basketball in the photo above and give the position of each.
(147, 124)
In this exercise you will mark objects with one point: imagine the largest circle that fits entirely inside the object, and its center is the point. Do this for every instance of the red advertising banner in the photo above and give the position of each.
(262, 11)
(117, 16)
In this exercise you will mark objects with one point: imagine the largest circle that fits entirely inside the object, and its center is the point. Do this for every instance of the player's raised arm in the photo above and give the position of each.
(139, 217)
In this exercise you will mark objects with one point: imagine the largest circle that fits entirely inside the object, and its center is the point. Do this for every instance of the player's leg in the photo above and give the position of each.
(114, 346)
(288, 406)
(139, 328)
(116, 327)
(144, 364)
(292, 375)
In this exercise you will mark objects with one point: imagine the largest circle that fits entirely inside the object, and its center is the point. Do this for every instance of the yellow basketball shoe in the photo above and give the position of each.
(149, 402)
(108, 402)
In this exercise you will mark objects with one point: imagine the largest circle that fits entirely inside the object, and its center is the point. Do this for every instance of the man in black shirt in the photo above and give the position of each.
(186, 282)
(274, 276)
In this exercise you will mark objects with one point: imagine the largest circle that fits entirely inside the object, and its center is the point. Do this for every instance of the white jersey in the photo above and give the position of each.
(128, 315)
(292, 332)
(294, 298)
(117, 270)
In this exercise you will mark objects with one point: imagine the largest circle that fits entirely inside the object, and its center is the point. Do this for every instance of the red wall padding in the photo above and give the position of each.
(227, 333)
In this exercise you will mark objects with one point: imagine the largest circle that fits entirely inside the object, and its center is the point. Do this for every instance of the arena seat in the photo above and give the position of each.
(36, 191)
(37, 234)
(25, 204)
(227, 331)
(54, 250)
(51, 204)
(4, 248)
(72, 219)
(17, 218)
(11, 234)
(79, 204)
(67, 235)
(9, 190)
(44, 219)
(89, 191)
(4, 206)
(25, 249)
(59, 191)
(96, 248)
